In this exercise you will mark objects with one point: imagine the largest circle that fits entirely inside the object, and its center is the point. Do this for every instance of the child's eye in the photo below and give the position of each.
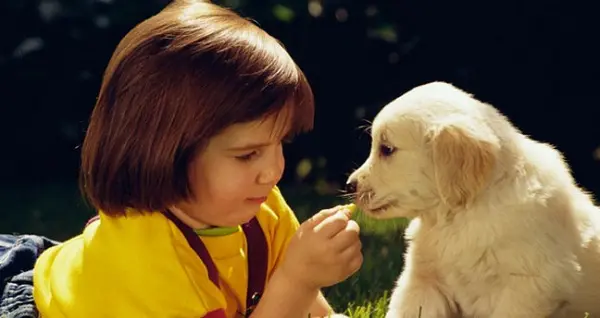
(247, 157)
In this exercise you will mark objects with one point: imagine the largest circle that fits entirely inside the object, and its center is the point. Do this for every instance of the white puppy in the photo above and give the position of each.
(499, 227)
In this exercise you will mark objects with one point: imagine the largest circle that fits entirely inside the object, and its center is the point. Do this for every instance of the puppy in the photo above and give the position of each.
(498, 228)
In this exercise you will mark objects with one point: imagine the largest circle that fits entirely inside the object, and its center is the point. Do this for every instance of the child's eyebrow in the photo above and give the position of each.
(250, 146)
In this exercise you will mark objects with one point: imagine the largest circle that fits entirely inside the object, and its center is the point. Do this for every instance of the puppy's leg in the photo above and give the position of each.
(413, 298)
(528, 299)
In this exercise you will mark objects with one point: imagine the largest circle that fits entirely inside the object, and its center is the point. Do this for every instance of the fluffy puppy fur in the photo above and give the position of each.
(499, 228)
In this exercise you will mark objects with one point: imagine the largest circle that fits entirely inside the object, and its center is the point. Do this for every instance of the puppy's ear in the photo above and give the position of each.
(464, 155)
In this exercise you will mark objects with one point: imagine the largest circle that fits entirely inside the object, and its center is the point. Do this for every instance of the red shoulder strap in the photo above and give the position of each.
(219, 313)
(196, 244)
(258, 256)
(94, 218)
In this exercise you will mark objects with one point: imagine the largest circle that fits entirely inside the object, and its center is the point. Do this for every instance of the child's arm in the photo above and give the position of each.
(285, 291)
(320, 307)
(284, 297)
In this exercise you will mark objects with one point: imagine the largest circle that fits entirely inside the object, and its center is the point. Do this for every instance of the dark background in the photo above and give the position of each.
(534, 60)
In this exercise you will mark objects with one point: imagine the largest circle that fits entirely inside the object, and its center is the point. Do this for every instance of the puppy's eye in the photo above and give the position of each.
(386, 151)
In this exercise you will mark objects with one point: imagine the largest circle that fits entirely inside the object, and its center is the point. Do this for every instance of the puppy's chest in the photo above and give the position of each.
(475, 289)
(471, 274)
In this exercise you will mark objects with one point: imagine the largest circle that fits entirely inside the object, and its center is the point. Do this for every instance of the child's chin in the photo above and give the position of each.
(243, 217)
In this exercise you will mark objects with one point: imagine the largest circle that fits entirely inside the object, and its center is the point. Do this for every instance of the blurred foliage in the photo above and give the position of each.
(536, 62)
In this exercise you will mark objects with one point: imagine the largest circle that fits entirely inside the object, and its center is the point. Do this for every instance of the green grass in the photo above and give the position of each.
(57, 211)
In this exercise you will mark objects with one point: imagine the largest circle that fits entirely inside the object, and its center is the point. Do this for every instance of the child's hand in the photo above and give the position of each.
(325, 250)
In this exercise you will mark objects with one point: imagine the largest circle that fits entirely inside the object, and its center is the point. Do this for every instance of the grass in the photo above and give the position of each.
(57, 211)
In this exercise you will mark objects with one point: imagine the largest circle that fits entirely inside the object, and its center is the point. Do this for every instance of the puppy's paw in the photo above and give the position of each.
(424, 302)
(418, 313)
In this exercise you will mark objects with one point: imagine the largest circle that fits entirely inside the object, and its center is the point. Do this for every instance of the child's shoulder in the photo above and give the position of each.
(276, 208)
(275, 198)
(276, 202)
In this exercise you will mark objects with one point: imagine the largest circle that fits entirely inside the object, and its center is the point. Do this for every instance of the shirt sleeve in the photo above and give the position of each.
(284, 227)
(80, 277)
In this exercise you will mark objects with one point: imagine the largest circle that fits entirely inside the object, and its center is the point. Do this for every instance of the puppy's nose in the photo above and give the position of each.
(351, 186)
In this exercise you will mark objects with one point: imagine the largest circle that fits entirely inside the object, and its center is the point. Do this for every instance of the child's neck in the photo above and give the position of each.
(188, 220)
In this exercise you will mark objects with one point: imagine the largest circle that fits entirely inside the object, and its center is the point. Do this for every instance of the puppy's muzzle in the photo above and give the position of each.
(351, 186)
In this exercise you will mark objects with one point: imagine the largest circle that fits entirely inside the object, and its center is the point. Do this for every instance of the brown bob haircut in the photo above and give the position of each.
(174, 81)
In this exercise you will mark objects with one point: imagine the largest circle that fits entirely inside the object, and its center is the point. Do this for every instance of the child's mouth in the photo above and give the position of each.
(257, 200)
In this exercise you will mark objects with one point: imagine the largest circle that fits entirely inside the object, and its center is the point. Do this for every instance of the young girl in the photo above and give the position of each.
(181, 159)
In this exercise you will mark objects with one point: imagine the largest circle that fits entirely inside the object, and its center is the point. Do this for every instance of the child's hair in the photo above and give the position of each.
(174, 81)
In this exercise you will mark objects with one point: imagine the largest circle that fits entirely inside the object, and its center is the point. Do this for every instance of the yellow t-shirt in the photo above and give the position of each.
(141, 265)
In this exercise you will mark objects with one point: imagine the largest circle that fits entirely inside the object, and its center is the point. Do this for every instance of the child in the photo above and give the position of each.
(182, 157)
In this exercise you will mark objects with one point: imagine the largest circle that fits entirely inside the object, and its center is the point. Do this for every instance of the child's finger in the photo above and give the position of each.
(320, 216)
